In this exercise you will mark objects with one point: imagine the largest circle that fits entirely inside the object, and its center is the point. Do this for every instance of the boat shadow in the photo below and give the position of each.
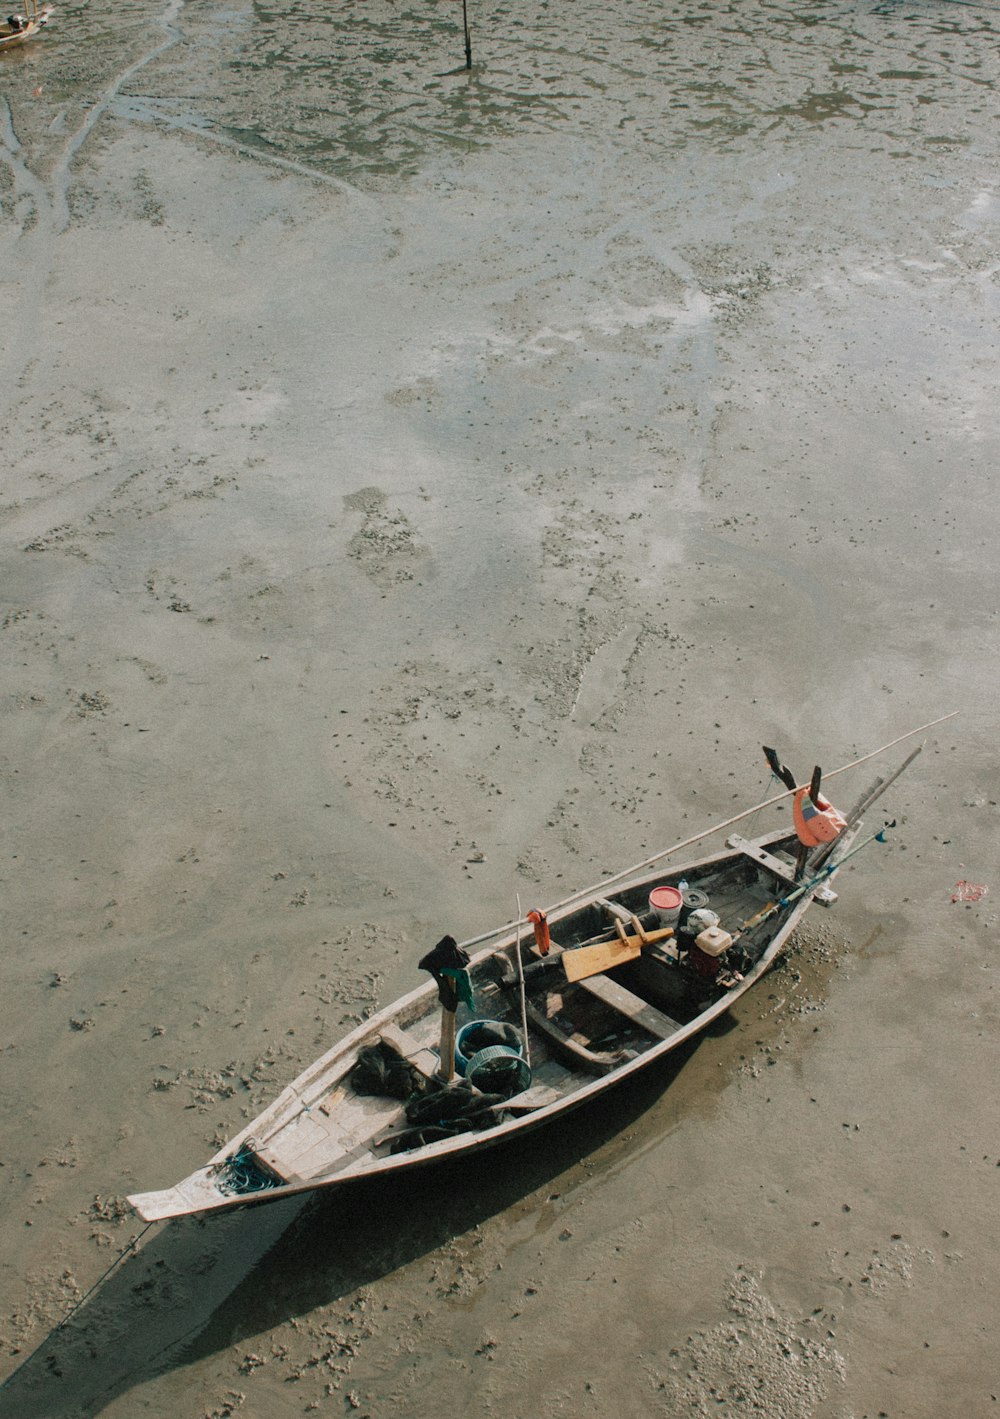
(200, 1285)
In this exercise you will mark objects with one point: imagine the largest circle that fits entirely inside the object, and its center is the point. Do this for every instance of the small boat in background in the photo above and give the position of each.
(603, 985)
(18, 29)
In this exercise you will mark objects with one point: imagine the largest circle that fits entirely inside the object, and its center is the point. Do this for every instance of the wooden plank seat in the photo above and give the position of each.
(646, 1016)
(423, 1059)
(783, 870)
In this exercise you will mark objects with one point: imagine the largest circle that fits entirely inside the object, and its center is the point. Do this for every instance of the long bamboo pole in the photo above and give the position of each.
(699, 837)
(858, 812)
(521, 987)
(813, 882)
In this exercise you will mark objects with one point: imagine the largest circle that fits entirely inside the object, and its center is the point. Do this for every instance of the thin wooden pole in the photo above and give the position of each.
(861, 808)
(446, 1046)
(874, 794)
(718, 828)
(520, 982)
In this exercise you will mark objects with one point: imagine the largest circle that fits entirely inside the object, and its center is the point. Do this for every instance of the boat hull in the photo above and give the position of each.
(10, 39)
(318, 1134)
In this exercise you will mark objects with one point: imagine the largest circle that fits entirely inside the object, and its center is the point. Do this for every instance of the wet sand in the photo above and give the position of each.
(424, 489)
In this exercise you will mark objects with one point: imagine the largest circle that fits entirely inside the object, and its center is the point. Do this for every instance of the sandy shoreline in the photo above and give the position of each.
(381, 543)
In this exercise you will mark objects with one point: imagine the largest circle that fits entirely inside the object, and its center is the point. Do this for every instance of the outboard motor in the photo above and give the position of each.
(695, 921)
(706, 951)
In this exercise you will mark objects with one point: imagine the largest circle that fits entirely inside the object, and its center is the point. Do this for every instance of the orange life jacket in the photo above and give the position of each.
(815, 823)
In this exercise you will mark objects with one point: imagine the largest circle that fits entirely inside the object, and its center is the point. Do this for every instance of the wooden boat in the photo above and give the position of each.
(617, 990)
(18, 29)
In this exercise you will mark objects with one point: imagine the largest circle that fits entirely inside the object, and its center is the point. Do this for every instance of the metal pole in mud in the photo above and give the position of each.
(468, 41)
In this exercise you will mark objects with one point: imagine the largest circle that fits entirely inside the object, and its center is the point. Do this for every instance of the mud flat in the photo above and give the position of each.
(421, 489)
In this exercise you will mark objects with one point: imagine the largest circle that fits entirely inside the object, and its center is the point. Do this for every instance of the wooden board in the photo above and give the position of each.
(784, 870)
(423, 1059)
(615, 910)
(627, 1003)
(589, 960)
(571, 1051)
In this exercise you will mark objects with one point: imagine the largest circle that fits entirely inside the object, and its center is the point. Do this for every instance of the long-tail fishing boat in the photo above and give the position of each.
(19, 27)
(561, 1006)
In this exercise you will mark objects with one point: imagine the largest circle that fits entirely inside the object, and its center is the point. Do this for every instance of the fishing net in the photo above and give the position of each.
(444, 1113)
(383, 1070)
(457, 1101)
(243, 1173)
(483, 1033)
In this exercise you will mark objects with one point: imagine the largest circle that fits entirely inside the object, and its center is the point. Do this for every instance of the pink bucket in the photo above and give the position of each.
(666, 902)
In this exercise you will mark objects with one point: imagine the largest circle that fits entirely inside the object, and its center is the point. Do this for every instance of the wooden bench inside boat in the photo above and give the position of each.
(782, 868)
(424, 1059)
(627, 1003)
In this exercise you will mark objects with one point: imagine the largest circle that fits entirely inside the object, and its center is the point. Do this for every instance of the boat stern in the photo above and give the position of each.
(198, 1193)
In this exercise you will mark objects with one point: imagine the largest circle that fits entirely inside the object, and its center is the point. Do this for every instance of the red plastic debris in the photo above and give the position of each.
(969, 891)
